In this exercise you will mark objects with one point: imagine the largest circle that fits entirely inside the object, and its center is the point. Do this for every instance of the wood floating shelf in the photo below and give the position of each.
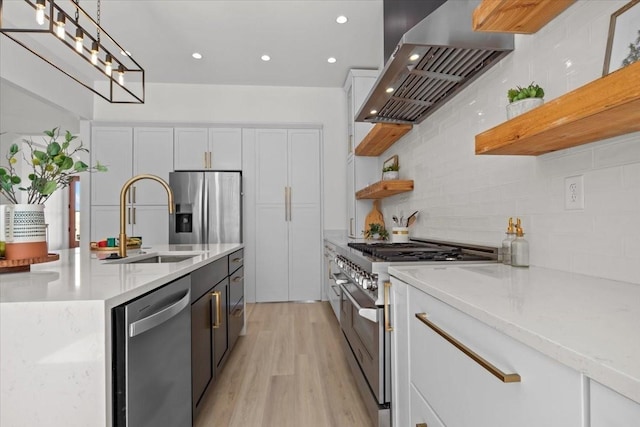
(381, 137)
(516, 16)
(382, 189)
(604, 108)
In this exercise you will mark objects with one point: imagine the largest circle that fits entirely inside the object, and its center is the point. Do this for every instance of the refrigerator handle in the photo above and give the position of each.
(205, 210)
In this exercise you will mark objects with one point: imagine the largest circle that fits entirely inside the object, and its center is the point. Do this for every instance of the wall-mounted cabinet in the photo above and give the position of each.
(603, 108)
(516, 16)
(381, 137)
(214, 148)
(357, 87)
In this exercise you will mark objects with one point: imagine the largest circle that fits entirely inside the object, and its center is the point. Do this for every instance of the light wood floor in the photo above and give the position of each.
(289, 370)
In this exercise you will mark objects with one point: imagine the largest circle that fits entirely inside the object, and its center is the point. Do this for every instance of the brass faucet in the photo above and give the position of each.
(122, 244)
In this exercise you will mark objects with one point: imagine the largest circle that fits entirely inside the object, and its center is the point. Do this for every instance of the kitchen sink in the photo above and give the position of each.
(153, 258)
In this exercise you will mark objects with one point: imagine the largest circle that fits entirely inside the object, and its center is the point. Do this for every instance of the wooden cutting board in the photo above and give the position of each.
(375, 216)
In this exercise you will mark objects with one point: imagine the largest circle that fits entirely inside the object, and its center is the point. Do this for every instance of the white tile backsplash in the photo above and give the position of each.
(469, 198)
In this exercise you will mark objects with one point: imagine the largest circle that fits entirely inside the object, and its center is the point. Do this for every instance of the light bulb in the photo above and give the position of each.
(60, 25)
(40, 12)
(107, 65)
(79, 39)
(121, 75)
(94, 53)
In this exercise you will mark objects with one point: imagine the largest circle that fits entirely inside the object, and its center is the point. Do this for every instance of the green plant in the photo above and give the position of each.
(391, 168)
(374, 229)
(531, 91)
(51, 168)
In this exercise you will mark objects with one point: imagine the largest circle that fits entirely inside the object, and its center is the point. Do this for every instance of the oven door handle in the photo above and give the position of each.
(370, 314)
(338, 280)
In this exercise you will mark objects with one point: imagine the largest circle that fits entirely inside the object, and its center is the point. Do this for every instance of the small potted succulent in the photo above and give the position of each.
(524, 99)
(390, 172)
(376, 232)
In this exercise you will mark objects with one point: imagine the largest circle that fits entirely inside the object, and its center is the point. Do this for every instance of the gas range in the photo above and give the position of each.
(367, 264)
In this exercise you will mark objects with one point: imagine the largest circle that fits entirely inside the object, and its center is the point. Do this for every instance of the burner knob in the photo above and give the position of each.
(366, 283)
(374, 284)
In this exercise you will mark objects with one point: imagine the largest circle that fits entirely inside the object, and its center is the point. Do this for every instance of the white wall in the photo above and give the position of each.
(464, 197)
(181, 103)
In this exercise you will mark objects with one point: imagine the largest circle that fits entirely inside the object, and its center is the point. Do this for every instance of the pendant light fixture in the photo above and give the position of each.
(111, 86)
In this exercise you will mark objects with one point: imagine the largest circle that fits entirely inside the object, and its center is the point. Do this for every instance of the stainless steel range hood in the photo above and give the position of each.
(433, 61)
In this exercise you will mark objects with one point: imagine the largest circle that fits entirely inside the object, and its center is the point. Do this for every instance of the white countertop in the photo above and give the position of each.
(81, 275)
(589, 324)
(55, 331)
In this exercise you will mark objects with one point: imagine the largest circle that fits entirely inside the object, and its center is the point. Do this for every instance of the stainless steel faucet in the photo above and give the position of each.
(122, 244)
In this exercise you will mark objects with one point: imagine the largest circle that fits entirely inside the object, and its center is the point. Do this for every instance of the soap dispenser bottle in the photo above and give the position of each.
(519, 248)
(506, 243)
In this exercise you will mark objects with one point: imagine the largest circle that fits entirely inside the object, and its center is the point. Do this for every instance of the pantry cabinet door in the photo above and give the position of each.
(152, 154)
(272, 276)
(112, 147)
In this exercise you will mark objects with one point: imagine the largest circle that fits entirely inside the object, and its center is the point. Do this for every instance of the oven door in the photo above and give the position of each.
(361, 323)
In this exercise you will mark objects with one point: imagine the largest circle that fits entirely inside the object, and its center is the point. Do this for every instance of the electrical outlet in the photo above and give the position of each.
(574, 192)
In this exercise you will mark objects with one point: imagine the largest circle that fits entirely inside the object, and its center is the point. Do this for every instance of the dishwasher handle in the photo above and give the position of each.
(159, 317)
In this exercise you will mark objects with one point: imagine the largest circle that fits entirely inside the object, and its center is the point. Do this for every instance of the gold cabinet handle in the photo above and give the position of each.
(505, 378)
(134, 193)
(218, 304)
(422, 425)
(238, 312)
(134, 215)
(205, 159)
(128, 215)
(238, 259)
(237, 279)
(387, 322)
(350, 226)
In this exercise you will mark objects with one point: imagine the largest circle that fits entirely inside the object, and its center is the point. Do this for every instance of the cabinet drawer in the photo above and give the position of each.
(421, 413)
(236, 260)
(207, 276)
(464, 393)
(236, 322)
(236, 287)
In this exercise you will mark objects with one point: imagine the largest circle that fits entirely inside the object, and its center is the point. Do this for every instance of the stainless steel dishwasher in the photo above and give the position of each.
(152, 358)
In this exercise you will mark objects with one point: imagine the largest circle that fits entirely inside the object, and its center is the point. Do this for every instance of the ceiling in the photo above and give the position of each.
(232, 35)
(298, 35)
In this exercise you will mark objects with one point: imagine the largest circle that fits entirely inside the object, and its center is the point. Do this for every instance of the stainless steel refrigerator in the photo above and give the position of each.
(208, 207)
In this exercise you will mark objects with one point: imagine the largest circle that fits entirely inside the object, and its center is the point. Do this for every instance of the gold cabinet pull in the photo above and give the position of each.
(238, 312)
(134, 215)
(422, 425)
(505, 378)
(387, 322)
(218, 304)
(238, 259)
(129, 216)
(237, 279)
(134, 193)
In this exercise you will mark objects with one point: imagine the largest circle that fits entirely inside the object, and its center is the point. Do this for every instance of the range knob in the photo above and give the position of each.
(366, 282)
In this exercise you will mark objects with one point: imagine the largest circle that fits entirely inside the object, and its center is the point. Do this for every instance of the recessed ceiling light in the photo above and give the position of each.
(414, 57)
(341, 19)
(373, 112)
(390, 89)
(331, 60)
(265, 58)
(125, 53)
(196, 55)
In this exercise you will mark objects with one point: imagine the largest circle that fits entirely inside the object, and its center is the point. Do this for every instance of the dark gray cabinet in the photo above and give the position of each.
(217, 318)
(208, 326)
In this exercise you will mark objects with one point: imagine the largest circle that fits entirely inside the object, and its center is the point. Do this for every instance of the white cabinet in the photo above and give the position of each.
(127, 152)
(457, 390)
(357, 86)
(400, 390)
(208, 148)
(361, 171)
(149, 222)
(288, 234)
(611, 409)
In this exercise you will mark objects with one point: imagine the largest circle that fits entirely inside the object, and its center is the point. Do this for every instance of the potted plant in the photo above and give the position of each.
(390, 168)
(390, 172)
(376, 232)
(524, 99)
(50, 168)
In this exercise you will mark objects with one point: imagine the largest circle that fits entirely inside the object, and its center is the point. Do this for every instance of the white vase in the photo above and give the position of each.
(390, 175)
(516, 108)
(25, 231)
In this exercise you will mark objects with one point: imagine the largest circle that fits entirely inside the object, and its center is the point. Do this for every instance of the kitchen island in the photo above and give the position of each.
(55, 331)
(583, 330)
